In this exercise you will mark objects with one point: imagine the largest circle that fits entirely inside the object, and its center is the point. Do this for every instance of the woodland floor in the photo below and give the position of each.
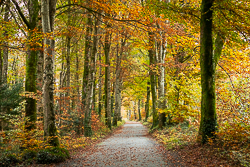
(131, 145)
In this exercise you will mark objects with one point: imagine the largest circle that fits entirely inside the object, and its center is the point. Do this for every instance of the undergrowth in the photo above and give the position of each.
(27, 148)
(229, 144)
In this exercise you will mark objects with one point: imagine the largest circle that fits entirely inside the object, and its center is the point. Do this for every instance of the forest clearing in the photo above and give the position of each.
(167, 79)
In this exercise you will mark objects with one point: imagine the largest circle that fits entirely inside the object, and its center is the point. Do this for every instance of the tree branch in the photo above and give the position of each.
(21, 14)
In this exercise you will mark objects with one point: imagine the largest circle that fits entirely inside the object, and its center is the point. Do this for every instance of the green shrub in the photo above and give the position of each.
(52, 155)
(8, 160)
(30, 154)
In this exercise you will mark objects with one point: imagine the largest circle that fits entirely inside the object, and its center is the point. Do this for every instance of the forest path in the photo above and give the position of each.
(129, 146)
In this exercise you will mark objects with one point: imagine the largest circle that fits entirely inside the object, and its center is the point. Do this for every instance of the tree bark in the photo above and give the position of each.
(86, 64)
(68, 64)
(134, 108)
(91, 84)
(1, 68)
(117, 83)
(147, 102)
(6, 49)
(153, 79)
(31, 67)
(161, 82)
(107, 80)
(139, 109)
(48, 16)
(100, 87)
(31, 63)
(219, 42)
(207, 63)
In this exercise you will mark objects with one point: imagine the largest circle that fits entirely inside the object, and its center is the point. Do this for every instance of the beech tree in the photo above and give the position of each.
(48, 18)
(31, 61)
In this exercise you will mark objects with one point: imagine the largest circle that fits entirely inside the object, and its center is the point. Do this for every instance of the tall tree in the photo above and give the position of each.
(100, 87)
(161, 79)
(31, 61)
(6, 49)
(91, 83)
(207, 63)
(139, 109)
(147, 102)
(48, 18)
(68, 62)
(117, 82)
(107, 78)
(152, 61)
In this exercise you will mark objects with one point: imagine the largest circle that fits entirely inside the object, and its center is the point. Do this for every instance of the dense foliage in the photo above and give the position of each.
(87, 64)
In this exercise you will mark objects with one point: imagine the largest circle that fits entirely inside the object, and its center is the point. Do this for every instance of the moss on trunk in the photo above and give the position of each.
(207, 63)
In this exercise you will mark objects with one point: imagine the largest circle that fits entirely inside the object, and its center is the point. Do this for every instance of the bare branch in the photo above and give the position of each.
(21, 14)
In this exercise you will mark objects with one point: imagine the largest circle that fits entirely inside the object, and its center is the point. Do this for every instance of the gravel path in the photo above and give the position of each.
(130, 146)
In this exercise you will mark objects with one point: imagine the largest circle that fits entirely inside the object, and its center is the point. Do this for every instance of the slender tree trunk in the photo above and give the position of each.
(120, 101)
(134, 108)
(94, 53)
(62, 95)
(1, 68)
(48, 17)
(207, 62)
(68, 64)
(100, 87)
(147, 102)
(112, 100)
(87, 65)
(107, 80)
(40, 70)
(153, 79)
(6, 49)
(139, 109)
(161, 83)
(118, 83)
(91, 84)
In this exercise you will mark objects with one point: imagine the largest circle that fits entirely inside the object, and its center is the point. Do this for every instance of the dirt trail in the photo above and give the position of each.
(129, 146)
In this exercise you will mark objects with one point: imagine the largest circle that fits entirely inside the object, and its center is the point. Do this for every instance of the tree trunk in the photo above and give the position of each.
(120, 101)
(31, 68)
(48, 16)
(31, 63)
(153, 79)
(207, 62)
(219, 42)
(68, 64)
(86, 64)
(40, 70)
(68, 42)
(6, 49)
(161, 82)
(147, 102)
(91, 84)
(118, 83)
(139, 109)
(1, 68)
(134, 108)
(100, 87)
(107, 80)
